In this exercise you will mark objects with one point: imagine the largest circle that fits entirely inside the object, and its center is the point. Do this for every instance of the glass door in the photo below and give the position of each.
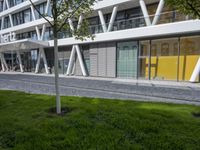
(127, 53)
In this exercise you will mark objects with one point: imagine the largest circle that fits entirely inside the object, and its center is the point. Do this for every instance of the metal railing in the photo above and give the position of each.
(166, 17)
(137, 22)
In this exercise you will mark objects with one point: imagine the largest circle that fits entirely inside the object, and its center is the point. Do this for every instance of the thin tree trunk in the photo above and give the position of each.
(58, 103)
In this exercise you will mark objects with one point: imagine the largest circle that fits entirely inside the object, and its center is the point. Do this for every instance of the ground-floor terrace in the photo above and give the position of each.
(174, 59)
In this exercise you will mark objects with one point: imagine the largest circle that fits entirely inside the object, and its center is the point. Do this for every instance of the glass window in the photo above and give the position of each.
(164, 59)
(189, 55)
(94, 25)
(6, 22)
(27, 15)
(41, 9)
(127, 59)
(143, 59)
(1, 6)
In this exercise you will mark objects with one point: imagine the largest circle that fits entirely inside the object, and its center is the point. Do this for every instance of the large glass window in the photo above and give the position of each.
(63, 57)
(164, 59)
(94, 25)
(189, 55)
(12, 61)
(1, 6)
(7, 22)
(143, 59)
(22, 17)
(127, 59)
(41, 8)
(29, 60)
(27, 16)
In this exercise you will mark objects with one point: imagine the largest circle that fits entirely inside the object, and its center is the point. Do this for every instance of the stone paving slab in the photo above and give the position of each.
(114, 89)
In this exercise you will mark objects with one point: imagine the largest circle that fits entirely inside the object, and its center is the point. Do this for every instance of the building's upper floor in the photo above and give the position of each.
(18, 16)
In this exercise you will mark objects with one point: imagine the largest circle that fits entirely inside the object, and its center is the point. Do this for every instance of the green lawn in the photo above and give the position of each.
(26, 124)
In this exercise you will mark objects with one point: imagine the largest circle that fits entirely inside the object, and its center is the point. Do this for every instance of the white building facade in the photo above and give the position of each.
(134, 39)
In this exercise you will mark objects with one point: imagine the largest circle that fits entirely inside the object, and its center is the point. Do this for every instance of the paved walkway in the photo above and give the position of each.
(142, 90)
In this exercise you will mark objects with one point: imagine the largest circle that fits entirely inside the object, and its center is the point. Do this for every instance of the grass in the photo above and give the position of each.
(26, 124)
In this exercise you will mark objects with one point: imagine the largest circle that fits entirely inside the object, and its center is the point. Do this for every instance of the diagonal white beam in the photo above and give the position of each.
(76, 49)
(7, 4)
(102, 20)
(44, 60)
(112, 19)
(4, 5)
(38, 33)
(38, 62)
(47, 6)
(196, 72)
(11, 20)
(33, 12)
(2, 64)
(80, 58)
(71, 60)
(43, 32)
(20, 62)
(145, 12)
(158, 12)
(80, 21)
(44, 25)
(71, 25)
(40, 36)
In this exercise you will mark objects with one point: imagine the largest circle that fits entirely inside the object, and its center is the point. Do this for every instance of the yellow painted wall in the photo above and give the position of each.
(186, 66)
(165, 67)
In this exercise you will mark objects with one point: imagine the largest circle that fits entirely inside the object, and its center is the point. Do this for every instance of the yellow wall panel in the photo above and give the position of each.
(165, 67)
(186, 66)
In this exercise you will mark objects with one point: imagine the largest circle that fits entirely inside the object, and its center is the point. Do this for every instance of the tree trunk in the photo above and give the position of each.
(58, 103)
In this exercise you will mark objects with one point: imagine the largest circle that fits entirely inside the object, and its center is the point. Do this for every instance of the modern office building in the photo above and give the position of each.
(134, 39)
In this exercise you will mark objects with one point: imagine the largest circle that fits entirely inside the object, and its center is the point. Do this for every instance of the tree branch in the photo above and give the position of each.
(71, 15)
(193, 8)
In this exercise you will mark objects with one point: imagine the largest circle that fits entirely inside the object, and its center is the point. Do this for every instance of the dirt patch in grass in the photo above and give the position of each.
(196, 114)
(64, 111)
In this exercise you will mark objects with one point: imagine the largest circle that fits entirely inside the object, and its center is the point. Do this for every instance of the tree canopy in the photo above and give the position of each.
(189, 7)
